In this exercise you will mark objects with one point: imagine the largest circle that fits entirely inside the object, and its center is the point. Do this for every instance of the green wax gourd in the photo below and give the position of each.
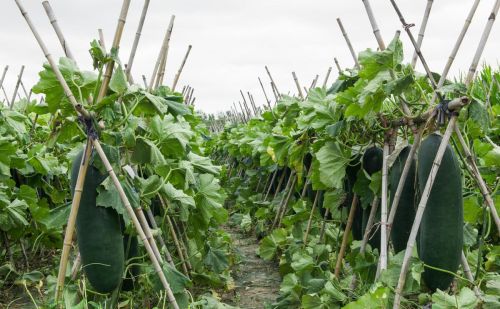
(441, 230)
(99, 234)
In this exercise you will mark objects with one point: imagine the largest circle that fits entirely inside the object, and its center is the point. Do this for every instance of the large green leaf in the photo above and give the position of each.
(330, 163)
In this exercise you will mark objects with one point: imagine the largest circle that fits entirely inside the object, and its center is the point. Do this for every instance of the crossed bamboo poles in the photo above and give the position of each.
(470, 164)
(137, 216)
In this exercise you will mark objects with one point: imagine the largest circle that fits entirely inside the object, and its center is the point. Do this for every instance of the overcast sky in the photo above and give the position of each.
(233, 39)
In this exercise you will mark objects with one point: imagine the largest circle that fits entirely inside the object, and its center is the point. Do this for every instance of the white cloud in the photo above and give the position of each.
(233, 39)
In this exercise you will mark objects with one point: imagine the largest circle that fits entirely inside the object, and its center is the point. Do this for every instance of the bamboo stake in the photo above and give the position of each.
(75, 204)
(271, 183)
(276, 96)
(178, 75)
(482, 42)
(183, 241)
(421, 32)
(468, 275)
(177, 246)
(280, 182)
(138, 33)
(472, 167)
(272, 81)
(102, 41)
(383, 221)
(147, 231)
(144, 80)
(19, 77)
(244, 112)
(163, 245)
(3, 78)
(298, 85)
(57, 29)
(421, 208)
(351, 49)
(136, 223)
(337, 65)
(116, 44)
(160, 56)
(366, 236)
(249, 112)
(5, 95)
(288, 188)
(323, 226)
(306, 234)
(327, 76)
(265, 94)
(374, 25)
(402, 180)
(251, 103)
(161, 74)
(345, 237)
(285, 204)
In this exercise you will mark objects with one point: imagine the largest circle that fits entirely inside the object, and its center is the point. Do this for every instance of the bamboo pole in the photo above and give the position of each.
(298, 85)
(345, 237)
(147, 231)
(160, 56)
(75, 204)
(177, 245)
(137, 37)
(116, 44)
(366, 235)
(163, 245)
(178, 75)
(265, 94)
(19, 77)
(472, 167)
(163, 64)
(183, 241)
(280, 182)
(351, 49)
(468, 275)
(249, 112)
(3, 78)
(271, 183)
(136, 223)
(144, 80)
(337, 65)
(5, 95)
(285, 204)
(323, 226)
(57, 29)
(102, 41)
(272, 81)
(276, 95)
(313, 208)
(374, 25)
(289, 184)
(420, 210)
(327, 76)
(482, 42)
(26, 95)
(402, 180)
(383, 221)
(421, 32)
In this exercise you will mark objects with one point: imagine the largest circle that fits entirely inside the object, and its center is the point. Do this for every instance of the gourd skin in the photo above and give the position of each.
(441, 230)
(99, 235)
(405, 214)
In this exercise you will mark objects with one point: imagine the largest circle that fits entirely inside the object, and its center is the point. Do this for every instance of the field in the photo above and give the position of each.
(378, 189)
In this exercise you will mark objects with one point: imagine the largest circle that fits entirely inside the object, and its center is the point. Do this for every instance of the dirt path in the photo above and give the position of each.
(257, 281)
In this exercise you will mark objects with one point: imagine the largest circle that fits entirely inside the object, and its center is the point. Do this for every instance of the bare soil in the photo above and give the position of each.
(257, 281)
